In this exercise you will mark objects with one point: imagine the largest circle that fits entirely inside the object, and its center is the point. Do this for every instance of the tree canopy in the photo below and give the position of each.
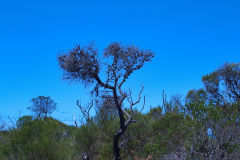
(117, 64)
(42, 106)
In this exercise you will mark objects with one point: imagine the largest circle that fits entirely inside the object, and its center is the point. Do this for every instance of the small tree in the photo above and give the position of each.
(107, 74)
(42, 106)
(223, 84)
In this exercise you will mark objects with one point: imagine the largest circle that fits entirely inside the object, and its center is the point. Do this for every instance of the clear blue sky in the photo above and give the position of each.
(190, 39)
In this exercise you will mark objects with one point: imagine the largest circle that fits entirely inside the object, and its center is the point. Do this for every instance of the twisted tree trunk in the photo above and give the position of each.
(117, 135)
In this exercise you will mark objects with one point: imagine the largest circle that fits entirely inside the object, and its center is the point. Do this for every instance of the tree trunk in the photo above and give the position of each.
(117, 135)
(116, 149)
(116, 138)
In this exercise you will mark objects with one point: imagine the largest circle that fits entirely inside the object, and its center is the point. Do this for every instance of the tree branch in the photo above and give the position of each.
(85, 111)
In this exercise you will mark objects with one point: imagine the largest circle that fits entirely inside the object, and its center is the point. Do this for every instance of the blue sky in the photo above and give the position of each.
(190, 39)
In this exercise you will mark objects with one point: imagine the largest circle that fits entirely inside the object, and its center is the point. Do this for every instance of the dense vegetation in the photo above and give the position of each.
(202, 125)
(156, 135)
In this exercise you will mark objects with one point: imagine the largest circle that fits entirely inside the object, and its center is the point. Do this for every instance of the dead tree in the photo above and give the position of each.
(85, 110)
(108, 73)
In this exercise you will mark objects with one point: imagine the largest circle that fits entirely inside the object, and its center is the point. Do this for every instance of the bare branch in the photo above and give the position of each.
(143, 104)
(125, 112)
(123, 143)
(12, 122)
(130, 100)
(74, 118)
(139, 97)
(85, 110)
(105, 85)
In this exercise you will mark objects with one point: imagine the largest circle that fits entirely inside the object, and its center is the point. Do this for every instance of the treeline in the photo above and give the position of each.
(203, 125)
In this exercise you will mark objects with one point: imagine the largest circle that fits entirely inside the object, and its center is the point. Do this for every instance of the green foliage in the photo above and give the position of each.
(171, 131)
(87, 139)
(38, 139)
(24, 121)
(155, 134)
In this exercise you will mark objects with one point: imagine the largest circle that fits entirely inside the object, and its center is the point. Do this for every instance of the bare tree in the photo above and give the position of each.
(108, 73)
(85, 110)
(42, 106)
